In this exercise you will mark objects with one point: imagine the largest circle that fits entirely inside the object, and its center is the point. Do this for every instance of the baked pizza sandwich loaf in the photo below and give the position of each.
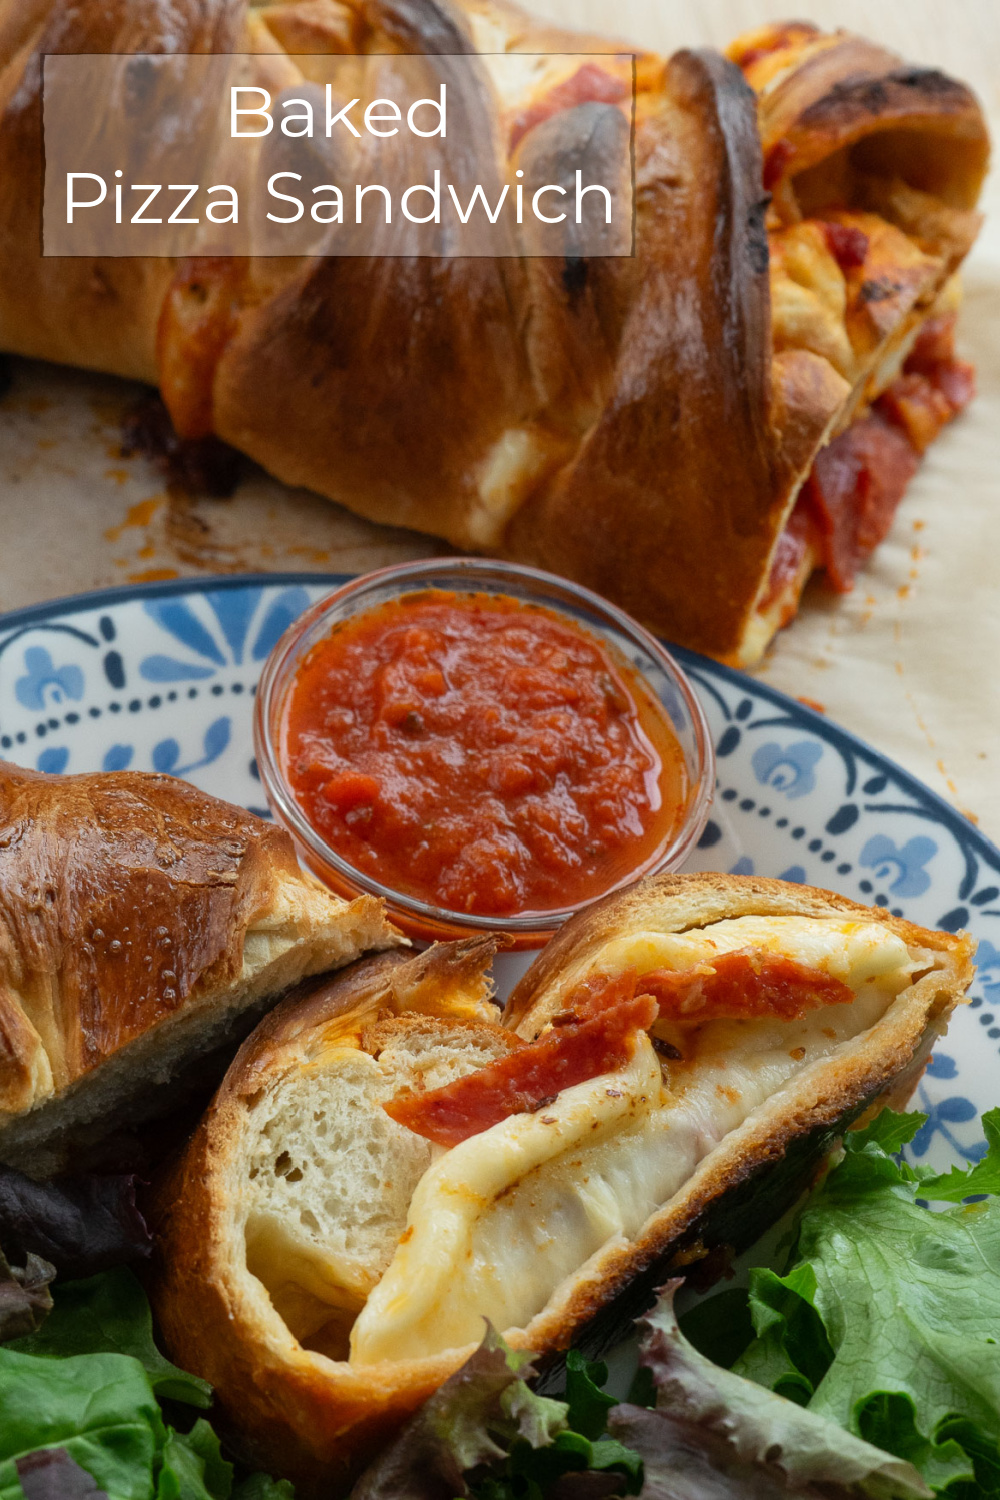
(144, 927)
(692, 430)
(385, 1165)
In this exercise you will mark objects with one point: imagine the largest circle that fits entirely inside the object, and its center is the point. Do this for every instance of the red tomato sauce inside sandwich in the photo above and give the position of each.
(847, 505)
(481, 755)
(596, 1034)
(589, 84)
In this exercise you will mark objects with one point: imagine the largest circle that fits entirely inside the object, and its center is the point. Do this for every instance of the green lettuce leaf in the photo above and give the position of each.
(888, 1321)
(984, 1177)
(99, 1407)
(588, 1404)
(109, 1313)
(720, 1427)
(791, 1352)
(193, 1467)
(890, 1131)
(88, 1381)
(720, 1327)
(263, 1487)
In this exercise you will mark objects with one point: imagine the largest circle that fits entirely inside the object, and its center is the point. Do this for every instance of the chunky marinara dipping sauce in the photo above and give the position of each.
(481, 755)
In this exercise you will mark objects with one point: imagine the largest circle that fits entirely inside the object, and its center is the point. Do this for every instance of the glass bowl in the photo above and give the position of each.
(656, 668)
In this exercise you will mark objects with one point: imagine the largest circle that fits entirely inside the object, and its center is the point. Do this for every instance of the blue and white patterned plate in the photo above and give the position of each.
(162, 677)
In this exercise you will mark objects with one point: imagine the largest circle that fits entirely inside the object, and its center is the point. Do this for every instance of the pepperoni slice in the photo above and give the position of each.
(743, 985)
(956, 380)
(934, 344)
(847, 504)
(799, 535)
(855, 487)
(598, 993)
(858, 480)
(914, 403)
(588, 85)
(847, 244)
(934, 386)
(596, 1033)
(597, 1038)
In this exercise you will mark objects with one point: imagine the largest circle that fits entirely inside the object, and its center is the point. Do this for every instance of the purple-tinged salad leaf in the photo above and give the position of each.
(487, 1435)
(683, 1462)
(51, 1474)
(82, 1225)
(714, 1433)
(588, 1484)
(25, 1299)
(472, 1419)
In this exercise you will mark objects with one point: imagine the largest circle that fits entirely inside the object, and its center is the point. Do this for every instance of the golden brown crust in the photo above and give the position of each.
(680, 466)
(101, 314)
(675, 903)
(622, 421)
(319, 1419)
(835, 91)
(448, 979)
(126, 900)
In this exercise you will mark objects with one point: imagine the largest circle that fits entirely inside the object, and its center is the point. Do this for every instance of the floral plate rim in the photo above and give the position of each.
(735, 694)
(826, 728)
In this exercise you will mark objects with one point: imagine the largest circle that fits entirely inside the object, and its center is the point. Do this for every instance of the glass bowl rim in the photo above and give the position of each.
(411, 574)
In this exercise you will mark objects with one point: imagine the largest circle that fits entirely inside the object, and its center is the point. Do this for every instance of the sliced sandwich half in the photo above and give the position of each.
(385, 1165)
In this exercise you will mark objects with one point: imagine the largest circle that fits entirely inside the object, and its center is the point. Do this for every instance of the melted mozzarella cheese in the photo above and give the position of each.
(448, 1274)
(857, 953)
(501, 1222)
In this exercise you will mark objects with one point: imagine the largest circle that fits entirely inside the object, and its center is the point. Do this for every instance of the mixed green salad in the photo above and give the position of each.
(865, 1362)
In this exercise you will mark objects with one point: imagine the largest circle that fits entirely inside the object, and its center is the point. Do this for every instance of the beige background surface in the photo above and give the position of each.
(910, 661)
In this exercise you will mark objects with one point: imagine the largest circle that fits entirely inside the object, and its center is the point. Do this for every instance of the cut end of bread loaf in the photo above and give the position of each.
(145, 927)
(331, 1175)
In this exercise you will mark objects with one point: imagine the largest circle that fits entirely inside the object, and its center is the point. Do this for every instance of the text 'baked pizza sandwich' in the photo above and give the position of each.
(144, 928)
(386, 1164)
(690, 431)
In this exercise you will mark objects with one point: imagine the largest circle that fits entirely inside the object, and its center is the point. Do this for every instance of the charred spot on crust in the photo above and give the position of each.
(574, 276)
(878, 290)
(198, 466)
(930, 81)
(666, 1049)
(757, 245)
(863, 94)
(874, 96)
